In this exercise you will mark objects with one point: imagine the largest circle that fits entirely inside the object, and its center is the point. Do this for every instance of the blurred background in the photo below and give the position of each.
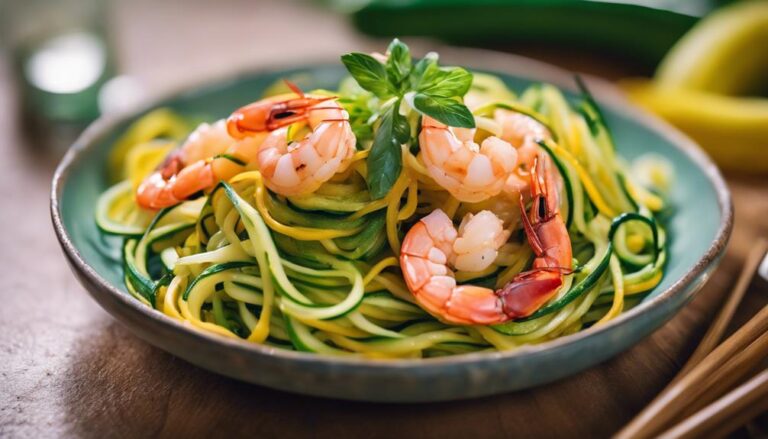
(65, 62)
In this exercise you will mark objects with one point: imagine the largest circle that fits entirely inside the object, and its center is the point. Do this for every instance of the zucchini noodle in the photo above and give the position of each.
(321, 272)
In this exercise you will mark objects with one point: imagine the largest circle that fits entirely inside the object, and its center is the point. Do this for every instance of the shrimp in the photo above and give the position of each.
(219, 151)
(548, 237)
(433, 244)
(523, 132)
(209, 154)
(302, 166)
(470, 172)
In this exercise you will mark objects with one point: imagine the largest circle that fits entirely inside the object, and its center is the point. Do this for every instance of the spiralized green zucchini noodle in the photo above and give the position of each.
(324, 270)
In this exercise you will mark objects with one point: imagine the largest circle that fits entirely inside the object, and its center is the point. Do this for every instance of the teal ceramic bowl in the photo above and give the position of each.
(698, 231)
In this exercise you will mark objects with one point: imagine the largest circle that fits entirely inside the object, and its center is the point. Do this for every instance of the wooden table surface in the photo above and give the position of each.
(68, 369)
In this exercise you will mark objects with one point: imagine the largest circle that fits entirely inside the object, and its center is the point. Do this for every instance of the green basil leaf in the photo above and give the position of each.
(445, 110)
(368, 72)
(417, 73)
(445, 82)
(385, 159)
(398, 63)
(400, 128)
(430, 58)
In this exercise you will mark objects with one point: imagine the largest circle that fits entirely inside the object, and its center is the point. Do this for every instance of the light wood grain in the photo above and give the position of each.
(68, 369)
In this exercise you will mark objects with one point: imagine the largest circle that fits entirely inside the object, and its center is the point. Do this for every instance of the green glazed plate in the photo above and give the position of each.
(698, 230)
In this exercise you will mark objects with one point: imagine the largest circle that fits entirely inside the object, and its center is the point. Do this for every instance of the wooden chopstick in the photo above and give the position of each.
(725, 377)
(727, 413)
(649, 420)
(715, 332)
(732, 373)
(671, 402)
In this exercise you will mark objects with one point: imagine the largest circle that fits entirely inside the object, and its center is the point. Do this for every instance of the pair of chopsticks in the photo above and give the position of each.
(698, 401)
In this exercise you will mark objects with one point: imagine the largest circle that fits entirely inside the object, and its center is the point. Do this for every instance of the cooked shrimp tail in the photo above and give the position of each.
(432, 244)
(549, 240)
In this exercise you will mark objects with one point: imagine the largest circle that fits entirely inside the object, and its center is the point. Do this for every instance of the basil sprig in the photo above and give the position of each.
(431, 90)
(439, 86)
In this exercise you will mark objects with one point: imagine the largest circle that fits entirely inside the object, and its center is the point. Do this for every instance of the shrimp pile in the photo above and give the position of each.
(255, 137)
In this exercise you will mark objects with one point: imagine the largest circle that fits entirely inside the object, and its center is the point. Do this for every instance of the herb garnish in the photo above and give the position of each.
(426, 87)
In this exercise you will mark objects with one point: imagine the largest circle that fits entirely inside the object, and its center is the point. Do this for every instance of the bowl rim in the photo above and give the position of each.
(474, 59)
